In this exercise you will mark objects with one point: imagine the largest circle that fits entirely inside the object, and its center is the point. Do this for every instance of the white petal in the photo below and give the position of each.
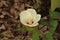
(24, 15)
(33, 13)
(33, 25)
(37, 18)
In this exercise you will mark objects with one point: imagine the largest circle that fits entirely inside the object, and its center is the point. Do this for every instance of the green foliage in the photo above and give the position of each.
(43, 22)
(55, 15)
(37, 1)
(36, 34)
(53, 24)
(20, 29)
(55, 4)
(48, 36)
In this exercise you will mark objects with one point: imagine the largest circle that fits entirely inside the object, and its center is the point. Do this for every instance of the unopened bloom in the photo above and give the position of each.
(29, 17)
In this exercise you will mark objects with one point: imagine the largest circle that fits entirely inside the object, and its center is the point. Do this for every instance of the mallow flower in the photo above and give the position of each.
(29, 17)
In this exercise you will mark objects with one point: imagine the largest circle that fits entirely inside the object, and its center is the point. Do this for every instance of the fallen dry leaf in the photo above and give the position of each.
(2, 27)
(7, 33)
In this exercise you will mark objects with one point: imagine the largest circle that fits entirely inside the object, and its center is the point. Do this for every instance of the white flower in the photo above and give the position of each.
(29, 17)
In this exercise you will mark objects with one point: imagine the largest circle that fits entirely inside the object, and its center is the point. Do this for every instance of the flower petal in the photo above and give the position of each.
(24, 15)
(33, 25)
(37, 18)
(33, 13)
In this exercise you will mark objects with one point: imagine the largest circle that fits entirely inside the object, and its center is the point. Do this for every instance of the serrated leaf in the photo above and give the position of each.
(55, 4)
(55, 15)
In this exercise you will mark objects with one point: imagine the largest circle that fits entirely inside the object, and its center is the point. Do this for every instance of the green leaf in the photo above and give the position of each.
(55, 4)
(36, 34)
(55, 15)
(53, 25)
(19, 29)
(48, 36)
(37, 1)
(43, 22)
